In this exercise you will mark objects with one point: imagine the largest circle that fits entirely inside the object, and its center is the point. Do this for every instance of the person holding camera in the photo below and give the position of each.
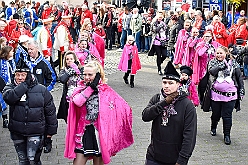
(174, 123)
(227, 90)
(205, 51)
(32, 113)
(159, 29)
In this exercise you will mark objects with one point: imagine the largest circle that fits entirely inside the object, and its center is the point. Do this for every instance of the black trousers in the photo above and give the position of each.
(223, 110)
(161, 56)
(59, 61)
(109, 42)
(128, 72)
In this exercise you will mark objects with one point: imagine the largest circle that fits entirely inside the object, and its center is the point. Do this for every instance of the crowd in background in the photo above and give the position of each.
(46, 36)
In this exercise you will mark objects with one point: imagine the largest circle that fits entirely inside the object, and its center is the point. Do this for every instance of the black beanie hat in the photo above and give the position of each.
(186, 69)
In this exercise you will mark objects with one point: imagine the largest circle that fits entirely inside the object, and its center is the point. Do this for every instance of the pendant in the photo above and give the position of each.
(165, 121)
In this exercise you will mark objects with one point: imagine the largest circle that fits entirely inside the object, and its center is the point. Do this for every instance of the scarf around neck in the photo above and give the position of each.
(168, 110)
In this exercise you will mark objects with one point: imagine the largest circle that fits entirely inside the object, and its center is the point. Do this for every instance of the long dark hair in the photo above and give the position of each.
(4, 52)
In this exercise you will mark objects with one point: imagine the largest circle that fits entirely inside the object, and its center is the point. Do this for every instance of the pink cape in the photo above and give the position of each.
(82, 55)
(190, 51)
(114, 122)
(123, 64)
(193, 96)
(100, 44)
(200, 51)
(180, 46)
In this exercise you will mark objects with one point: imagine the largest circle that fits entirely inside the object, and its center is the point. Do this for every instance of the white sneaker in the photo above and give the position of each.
(119, 50)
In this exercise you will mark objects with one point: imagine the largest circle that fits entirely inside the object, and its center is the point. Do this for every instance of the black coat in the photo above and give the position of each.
(63, 105)
(34, 115)
(175, 142)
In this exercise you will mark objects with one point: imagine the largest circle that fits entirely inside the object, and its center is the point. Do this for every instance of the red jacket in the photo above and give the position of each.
(46, 13)
(100, 32)
(86, 14)
(16, 33)
(220, 30)
(12, 26)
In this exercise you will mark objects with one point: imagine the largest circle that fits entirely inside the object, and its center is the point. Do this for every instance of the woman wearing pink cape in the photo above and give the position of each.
(99, 120)
(190, 48)
(180, 45)
(86, 51)
(205, 51)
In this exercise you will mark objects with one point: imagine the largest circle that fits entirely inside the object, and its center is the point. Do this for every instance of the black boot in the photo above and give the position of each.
(132, 81)
(125, 77)
(213, 127)
(5, 121)
(227, 124)
(47, 145)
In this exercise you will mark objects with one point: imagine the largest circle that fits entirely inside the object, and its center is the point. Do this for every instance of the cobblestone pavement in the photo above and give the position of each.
(208, 150)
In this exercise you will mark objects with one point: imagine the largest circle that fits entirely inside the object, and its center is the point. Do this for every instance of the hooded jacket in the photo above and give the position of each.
(175, 142)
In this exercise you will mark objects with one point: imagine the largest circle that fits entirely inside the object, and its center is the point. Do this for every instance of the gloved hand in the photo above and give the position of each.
(75, 67)
(169, 98)
(71, 71)
(95, 82)
(29, 79)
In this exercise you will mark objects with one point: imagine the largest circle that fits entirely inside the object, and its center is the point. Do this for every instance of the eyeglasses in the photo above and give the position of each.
(20, 23)
(207, 36)
(195, 32)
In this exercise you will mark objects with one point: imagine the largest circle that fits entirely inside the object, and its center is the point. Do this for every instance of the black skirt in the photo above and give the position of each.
(90, 143)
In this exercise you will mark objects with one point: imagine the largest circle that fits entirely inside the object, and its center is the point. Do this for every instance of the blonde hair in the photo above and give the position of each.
(97, 67)
(130, 37)
(85, 24)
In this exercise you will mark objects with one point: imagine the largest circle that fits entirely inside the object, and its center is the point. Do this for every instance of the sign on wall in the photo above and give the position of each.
(215, 5)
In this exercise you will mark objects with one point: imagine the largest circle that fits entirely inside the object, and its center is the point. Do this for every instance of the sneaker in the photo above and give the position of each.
(119, 50)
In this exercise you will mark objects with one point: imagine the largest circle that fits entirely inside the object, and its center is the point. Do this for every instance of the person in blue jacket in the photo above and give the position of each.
(11, 10)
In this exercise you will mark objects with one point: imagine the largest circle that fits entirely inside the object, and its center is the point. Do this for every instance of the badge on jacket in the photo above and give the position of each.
(38, 71)
(23, 98)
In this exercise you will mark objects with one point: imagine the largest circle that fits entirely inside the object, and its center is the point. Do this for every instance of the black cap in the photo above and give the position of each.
(12, 2)
(186, 69)
(239, 41)
(16, 16)
(21, 66)
(170, 72)
(95, 3)
(28, 3)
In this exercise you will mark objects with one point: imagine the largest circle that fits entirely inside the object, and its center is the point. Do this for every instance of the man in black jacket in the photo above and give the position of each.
(32, 113)
(174, 123)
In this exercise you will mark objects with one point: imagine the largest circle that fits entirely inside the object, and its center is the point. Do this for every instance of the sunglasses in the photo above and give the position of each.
(207, 36)
(20, 23)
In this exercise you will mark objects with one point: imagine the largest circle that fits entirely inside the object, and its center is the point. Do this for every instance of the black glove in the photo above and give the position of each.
(95, 82)
(29, 79)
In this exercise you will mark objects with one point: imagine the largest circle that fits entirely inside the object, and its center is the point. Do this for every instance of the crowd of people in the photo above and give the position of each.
(36, 39)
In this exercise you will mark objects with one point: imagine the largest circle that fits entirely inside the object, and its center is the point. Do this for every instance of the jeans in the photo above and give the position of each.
(148, 40)
(29, 149)
(246, 70)
(124, 35)
(137, 39)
